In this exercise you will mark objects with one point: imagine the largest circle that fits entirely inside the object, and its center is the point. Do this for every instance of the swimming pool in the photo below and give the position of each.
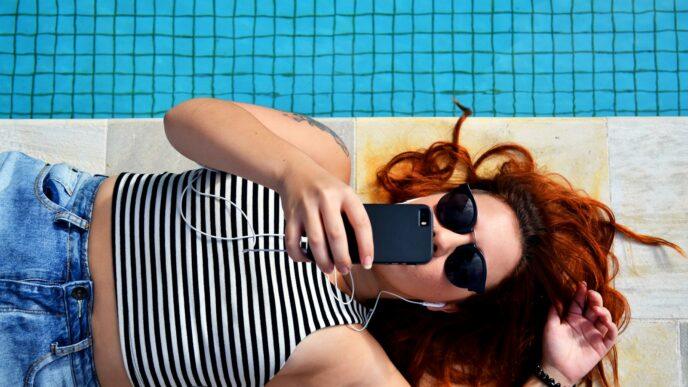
(83, 59)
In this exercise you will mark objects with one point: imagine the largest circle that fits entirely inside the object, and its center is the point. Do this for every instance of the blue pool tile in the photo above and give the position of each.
(523, 82)
(624, 81)
(582, 102)
(624, 62)
(563, 82)
(543, 63)
(61, 104)
(505, 103)
(603, 62)
(544, 106)
(584, 81)
(668, 81)
(442, 64)
(604, 98)
(543, 84)
(626, 99)
(523, 64)
(668, 102)
(543, 43)
(603, 81)
(83, 83)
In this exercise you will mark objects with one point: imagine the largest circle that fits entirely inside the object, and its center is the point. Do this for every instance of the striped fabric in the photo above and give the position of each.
(191, 309)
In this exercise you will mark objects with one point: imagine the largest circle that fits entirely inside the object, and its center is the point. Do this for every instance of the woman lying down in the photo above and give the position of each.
(197, 278)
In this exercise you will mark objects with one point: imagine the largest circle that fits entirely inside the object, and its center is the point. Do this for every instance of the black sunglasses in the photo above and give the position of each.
(465, 267)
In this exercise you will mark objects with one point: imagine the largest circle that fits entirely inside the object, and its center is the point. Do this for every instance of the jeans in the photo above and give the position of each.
(46, 291)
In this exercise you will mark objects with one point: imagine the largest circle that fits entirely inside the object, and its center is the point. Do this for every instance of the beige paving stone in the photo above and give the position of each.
(78, 142)
(379, 139)
(140, 145)
(684, 352)
(649, 184)
(649, 354)
(574, 147)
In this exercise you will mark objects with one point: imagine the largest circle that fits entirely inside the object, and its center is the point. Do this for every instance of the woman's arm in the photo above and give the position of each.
(222, 135)
(533, 381)
(348, 358)
(575, 341)
(312, 137)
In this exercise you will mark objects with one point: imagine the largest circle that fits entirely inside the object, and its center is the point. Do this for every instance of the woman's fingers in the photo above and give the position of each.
(318, 205)
(606, 325)
(292, 238)
(601, 327)
(593, 299)
(360, 222)
(336, 235)
(602, 312)
(553, 314)
(316, 240)
(612, 332)
(578, 303)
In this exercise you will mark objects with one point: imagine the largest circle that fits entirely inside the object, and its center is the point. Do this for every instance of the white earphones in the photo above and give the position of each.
(253, 241)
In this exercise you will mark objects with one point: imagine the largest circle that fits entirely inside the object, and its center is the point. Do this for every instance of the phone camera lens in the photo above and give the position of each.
(423, 217)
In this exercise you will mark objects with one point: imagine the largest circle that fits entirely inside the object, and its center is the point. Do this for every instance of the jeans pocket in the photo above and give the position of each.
(50, 370)
(55, 185)
(31, 296)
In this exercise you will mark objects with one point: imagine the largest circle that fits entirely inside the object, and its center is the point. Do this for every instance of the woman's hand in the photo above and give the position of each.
(574, 344)
(314, 198)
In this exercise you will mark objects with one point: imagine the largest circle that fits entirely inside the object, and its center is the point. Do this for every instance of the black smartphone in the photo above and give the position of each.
(402, 234)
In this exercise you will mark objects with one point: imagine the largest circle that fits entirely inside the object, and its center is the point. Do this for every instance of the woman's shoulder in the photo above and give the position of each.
(338, 352)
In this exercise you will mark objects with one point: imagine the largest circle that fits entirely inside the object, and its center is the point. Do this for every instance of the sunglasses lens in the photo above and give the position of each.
(456, 212)
(465, 268)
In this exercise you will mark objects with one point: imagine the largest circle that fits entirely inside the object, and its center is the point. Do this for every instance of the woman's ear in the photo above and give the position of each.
(449, 308)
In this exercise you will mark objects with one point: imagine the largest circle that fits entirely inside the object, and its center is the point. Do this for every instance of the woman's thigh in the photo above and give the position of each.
(45, 283)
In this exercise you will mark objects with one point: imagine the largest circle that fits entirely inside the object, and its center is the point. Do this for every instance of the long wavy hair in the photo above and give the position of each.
(496, 337)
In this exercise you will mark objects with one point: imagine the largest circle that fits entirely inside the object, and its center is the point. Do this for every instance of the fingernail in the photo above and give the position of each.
(368, 262)
(585, 284)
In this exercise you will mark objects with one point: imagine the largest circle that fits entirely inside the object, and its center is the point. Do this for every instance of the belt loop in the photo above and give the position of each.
(67, 349)
(72, 218)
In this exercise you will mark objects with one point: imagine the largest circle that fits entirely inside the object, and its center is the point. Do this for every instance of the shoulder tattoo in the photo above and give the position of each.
(300, 117)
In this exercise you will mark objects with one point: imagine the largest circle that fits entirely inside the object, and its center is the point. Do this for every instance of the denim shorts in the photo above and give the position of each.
(46, 291)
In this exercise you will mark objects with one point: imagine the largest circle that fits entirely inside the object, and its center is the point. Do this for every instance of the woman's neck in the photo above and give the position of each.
(366, 286)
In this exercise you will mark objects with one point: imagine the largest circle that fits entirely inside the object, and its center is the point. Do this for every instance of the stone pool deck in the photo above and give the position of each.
(637, 165)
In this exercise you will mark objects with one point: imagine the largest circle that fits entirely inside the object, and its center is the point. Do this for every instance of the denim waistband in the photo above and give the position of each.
(79, 213)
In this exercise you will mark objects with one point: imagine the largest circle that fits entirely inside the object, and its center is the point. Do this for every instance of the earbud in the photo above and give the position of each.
(434, 304)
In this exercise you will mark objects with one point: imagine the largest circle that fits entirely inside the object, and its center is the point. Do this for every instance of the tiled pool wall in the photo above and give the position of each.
(105, 59)
(639, 166)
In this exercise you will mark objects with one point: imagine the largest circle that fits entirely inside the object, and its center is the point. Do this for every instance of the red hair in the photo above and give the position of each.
(496, 337)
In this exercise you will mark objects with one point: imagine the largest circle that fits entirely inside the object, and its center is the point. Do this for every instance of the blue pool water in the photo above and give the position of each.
(81, 59)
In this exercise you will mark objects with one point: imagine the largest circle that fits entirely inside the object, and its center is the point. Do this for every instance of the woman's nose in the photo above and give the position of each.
(445, 241)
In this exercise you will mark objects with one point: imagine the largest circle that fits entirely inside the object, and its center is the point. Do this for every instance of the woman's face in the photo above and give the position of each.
(497, 234)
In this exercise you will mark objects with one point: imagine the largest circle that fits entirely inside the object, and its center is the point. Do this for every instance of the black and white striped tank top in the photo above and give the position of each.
(191, 309)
